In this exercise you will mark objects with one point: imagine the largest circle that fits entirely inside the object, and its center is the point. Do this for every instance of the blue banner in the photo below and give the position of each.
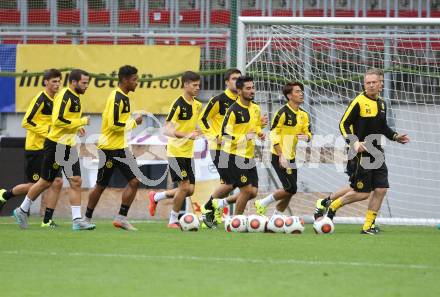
(7, 84)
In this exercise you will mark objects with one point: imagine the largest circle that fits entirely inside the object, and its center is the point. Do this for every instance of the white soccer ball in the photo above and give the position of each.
(238, 223)
(256, 223)
(276, 224)
(293, 225)
(189, 222)
(228, 224)
(323, 225)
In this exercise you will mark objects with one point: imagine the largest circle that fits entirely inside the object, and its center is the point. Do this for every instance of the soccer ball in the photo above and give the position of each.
(189, 222)
(238, 223)
(256, 223)
(323, 225)
(293, 225)
(276, 224)
(228, 224)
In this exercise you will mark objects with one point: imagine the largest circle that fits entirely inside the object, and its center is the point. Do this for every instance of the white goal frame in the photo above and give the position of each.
(390, 23)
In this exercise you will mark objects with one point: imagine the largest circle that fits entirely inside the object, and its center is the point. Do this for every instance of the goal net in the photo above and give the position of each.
(330, 56)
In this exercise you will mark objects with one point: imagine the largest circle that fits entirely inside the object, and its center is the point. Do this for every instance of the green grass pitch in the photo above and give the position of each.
(156, 261)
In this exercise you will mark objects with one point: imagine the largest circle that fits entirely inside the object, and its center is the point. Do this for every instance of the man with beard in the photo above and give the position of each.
(60, 151)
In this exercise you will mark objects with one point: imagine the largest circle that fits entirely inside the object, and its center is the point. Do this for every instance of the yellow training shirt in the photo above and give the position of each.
(184, 116)
(66, 117)
(116, 121)
(286, 125)
(213, 115)
(239, 121)
(366, 116)
(37, 121)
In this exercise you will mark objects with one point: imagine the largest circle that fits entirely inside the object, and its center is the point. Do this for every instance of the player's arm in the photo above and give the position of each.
(306, 129)
(275, 131)
(211, 109)
(28, 121)
(228, 126)
(115, 122)
(348, 119)
(275, 137)
(261, 123)
(62, 119)
(393, 135)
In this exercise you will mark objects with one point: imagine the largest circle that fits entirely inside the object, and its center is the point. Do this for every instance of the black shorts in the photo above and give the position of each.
(181, 169)
(288, 177)
(366, 180)
(108, 163)
(241, 172)
(351, 168)
(220, 160)
(57, 156)
(34, 162)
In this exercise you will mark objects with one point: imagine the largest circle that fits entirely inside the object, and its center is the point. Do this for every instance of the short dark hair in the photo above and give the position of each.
(51, 73)
(75, 74)
(190, 76)
(231, 71)
(287, 89)
(243, 79)
(126, 71)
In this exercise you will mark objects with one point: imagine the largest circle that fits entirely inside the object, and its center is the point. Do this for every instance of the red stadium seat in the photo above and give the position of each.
(346, 44)
(129, 17)
(220, 17)
(12, 40)
(375, 45)
(9, 16)
(435, 44)
(40, 40)
(285, 44)
(159, 17)
(99, 40)
(251, 12)
(165, 41)
(380, 13)
(39, 17)
(415, 44)
(193, 41)
(131, 40)
(345, 13)
(63, 41)
(408, 13)
(256, 43)
(99, 17)
(190, 17)
(314, 13)
(68, 17)
(434, 13)
(282, 12)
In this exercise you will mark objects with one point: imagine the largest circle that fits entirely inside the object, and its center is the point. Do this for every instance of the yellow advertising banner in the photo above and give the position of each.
(151, 61)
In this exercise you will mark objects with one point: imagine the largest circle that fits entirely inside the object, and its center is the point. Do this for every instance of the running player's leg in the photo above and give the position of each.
(127, 164)
(33, 163)
(51, 198)
(73, 174)
(380, 186)
(49, 170)
(288, 178)
(155, 197)
(182, 172)
(106, 167)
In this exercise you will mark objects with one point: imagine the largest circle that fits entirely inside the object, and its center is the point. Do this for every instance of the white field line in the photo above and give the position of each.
(100, 221)
(223, 259)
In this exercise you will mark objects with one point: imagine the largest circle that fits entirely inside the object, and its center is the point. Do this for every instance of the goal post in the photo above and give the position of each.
(330, 56)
